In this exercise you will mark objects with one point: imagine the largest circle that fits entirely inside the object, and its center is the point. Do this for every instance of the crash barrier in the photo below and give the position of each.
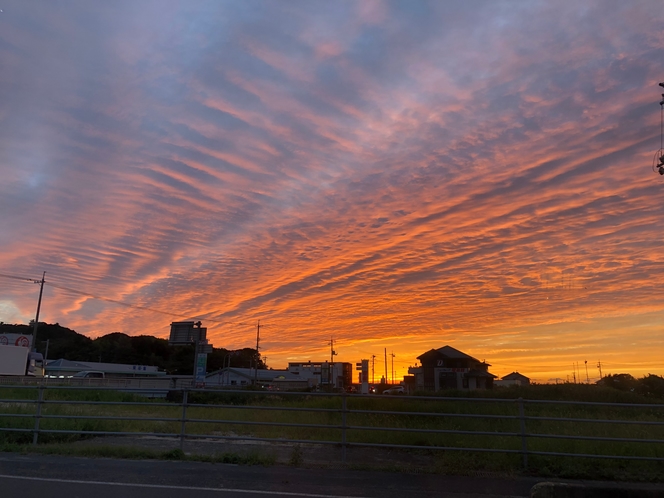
(522, 427)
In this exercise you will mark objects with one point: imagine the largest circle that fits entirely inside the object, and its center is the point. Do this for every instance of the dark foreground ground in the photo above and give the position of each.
(286, 468)
(55, 476)
(52, 476)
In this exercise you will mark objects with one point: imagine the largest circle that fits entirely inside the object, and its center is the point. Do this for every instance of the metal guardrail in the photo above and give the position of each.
(521, 436)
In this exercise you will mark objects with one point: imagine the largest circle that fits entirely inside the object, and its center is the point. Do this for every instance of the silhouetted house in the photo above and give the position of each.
(518, 378)
(449, 368)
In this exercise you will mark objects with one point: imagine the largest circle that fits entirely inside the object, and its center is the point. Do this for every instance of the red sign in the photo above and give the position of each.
(23, 341)
(18, 340)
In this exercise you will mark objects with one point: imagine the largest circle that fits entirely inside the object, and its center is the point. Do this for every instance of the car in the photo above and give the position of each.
(395, 390)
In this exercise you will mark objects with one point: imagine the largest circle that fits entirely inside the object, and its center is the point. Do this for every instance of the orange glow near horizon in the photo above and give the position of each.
(384, 175)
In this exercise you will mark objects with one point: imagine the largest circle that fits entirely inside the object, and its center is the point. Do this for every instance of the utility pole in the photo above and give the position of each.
(333, 353)
(393, 355)
(258, 340)
(258, 335)
(587, 377)
(386, 365)
(373, 368)
(599, 366)
(34, 330)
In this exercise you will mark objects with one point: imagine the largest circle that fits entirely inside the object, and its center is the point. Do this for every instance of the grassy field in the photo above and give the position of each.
(397, 420)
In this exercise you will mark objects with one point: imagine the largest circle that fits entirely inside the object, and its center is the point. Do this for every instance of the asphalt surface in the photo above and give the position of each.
(52, 476)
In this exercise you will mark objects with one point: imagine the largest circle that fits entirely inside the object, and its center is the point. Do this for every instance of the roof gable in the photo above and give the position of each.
(447, 352)
(515, 376)
(450, 352)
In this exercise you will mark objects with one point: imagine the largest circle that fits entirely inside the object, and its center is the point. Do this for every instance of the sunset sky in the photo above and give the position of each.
(400, 175)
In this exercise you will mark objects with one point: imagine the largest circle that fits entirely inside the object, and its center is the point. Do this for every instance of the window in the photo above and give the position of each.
(234, 383)
(447, 380)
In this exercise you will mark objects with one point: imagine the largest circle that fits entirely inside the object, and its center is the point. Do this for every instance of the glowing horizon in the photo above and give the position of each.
(388, 174)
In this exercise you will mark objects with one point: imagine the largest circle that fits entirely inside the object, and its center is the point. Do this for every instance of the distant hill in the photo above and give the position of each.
(121, 348)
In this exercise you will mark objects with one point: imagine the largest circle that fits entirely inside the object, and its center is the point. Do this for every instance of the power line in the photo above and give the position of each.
(33, 280)
(134, 306)
(114, 301)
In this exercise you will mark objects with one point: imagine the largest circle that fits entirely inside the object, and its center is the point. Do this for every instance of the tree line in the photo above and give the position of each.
(133, 350)
(650, 385)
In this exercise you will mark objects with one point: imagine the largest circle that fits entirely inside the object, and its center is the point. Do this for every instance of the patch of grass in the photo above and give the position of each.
(176, 454)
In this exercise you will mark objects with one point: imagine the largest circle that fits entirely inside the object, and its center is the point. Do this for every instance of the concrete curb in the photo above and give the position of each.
(592, 490)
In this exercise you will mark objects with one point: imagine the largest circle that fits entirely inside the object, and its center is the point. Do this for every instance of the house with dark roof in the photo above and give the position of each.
(449, 368)
(517, 378)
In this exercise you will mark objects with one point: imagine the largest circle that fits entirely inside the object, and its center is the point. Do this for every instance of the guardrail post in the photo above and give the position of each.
(344, 408)
(40, 401)
(524, 443)
(184, 418)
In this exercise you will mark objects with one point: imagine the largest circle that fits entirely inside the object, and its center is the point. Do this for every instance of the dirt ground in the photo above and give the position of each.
(286, 453)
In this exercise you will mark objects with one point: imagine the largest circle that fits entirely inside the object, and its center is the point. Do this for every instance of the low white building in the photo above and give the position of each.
(337, 374)
(299, 375)
(243, 377)
(66, 368)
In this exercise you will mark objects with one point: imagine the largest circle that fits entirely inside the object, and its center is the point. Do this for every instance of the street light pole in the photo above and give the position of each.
(34, 330)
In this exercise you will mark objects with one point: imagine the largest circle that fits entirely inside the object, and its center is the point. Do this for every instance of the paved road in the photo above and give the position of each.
(52, 476)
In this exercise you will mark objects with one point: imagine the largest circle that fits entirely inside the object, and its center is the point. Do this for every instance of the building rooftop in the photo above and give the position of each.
(449, 352)
(68, 366)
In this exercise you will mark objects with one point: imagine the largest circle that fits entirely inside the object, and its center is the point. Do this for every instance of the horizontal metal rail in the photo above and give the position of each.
(108, 403)
(434, 414)
(274, 408)
(596, 420)
(594, 403)
(108, 433)
(595, 438)
(253, 422)
(420, 447)
(592, 455)
(431, 431)
(191, 405)
(106, 417)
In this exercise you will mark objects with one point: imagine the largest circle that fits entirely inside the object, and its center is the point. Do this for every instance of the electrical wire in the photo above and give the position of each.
(115, 301)
(14, 277)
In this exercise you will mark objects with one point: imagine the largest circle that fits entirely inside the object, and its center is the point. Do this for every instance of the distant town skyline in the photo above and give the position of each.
(400, 175)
